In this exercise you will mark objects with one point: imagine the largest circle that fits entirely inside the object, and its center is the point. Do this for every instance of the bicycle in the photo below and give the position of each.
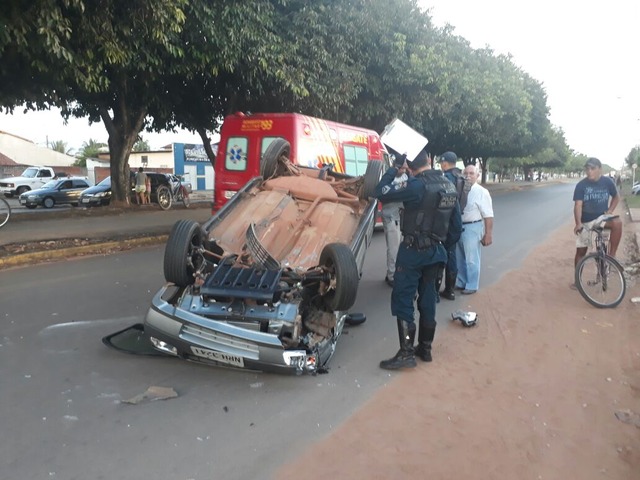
(167, 194)
(599, 276)
(5, 212)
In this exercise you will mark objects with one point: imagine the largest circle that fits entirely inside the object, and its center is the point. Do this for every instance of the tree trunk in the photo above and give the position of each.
(123, 131)
(206, 141)
(483, 164)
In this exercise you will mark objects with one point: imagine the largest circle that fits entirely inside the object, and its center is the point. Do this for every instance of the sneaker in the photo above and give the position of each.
(468, 292)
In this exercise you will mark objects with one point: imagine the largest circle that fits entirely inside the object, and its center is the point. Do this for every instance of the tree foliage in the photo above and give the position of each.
(139, 65)
(60, 146)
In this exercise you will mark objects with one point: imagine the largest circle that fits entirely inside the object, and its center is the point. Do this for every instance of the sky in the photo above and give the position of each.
(584, 53)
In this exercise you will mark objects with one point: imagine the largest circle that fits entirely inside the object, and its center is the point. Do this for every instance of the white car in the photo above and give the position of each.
(636, 189)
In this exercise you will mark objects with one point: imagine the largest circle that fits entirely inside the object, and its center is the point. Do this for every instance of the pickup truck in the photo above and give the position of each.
(31, 179)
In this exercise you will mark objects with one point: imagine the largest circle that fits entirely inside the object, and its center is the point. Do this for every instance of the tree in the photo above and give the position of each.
(118, 61)
(89, 149)
(141, 145)
(633, 158)
(60, 146)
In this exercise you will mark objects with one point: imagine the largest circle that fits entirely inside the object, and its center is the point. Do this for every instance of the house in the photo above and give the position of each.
(16, 153)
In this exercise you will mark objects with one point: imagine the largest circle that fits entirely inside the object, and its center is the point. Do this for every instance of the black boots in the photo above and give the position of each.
(425, 339)
(404, 358)
(449, 286)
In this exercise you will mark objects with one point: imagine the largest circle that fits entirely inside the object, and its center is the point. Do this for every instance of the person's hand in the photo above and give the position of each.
(487, 240)
(577, 229)
(400, 161)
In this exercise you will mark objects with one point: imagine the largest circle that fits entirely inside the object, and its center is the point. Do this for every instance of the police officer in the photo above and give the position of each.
(447, 163)
(431, 222)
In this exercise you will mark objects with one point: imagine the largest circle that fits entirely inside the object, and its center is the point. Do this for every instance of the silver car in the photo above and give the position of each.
(267, 282)
(55, 192)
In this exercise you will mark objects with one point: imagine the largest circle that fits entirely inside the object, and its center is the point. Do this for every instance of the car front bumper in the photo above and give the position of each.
(30, 202)
(192, 337)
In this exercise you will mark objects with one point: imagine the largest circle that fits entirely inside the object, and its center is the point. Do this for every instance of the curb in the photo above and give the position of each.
(93, 249)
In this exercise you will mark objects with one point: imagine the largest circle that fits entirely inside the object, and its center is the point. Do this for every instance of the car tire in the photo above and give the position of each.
(164, 197)
(21, 190)
(181, 255)
(270, 160)
(339, 261)
(48, 202)
(372, 177)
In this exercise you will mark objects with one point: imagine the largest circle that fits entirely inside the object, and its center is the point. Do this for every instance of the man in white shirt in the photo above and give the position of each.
(477, 231)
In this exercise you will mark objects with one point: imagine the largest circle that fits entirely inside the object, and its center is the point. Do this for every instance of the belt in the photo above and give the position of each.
(475, 221)
(419, 243)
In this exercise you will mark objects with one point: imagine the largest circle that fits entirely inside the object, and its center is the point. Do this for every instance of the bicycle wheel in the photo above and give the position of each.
(5, 211)
(185, 197)
(600, 280)
(164, 197)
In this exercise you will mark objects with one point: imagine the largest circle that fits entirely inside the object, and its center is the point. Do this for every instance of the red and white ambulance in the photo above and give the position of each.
(314, 143)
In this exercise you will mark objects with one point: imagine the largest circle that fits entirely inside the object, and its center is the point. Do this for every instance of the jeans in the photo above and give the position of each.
(468, 256)
(392, 234)
(416, 273)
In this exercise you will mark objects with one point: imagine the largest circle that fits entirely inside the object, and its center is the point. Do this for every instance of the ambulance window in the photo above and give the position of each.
(236, 158)
(266, 141)
(355, 160)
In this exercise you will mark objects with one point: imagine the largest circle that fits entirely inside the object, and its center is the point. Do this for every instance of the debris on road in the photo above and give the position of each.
(153, 393)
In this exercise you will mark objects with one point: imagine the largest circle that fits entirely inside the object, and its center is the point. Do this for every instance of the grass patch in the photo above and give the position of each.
(633, 201)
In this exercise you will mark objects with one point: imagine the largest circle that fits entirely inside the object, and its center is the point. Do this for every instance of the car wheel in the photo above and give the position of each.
(48, 202)
(372, 177)
(164, 197)
(31, 207)
(181, 255)
(21, 190)
(270, 160)
(339, 261)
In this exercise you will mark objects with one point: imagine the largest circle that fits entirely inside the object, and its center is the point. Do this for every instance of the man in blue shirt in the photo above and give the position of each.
(430, 224)
(591, 199)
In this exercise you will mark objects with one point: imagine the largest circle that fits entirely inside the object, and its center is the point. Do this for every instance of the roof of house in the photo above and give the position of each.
(6, 161)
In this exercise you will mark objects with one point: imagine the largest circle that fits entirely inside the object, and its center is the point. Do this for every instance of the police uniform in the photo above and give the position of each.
(431, 222)
(451, 269)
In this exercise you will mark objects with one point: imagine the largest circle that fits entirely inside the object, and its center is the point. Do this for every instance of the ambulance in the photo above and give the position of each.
(314, 143)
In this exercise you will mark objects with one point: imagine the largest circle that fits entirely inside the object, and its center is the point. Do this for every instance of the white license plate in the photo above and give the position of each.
(85, 200)
(234, 360)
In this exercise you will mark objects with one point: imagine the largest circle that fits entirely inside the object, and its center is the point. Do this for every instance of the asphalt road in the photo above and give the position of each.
(62, 415)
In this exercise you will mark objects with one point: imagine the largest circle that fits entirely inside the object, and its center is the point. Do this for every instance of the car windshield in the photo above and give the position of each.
(51, 184)
(30, 172)
(106, 182)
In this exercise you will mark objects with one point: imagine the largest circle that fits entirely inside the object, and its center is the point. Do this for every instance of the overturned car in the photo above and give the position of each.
(267, 282)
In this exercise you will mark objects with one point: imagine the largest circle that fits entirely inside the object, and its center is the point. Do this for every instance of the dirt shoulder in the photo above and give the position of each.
(531, 392)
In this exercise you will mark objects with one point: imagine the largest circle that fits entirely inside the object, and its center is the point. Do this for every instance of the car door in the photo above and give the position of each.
(69, 191)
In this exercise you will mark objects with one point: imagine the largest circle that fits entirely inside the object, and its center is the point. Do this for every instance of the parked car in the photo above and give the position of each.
(100, 194)
(635, 190)
(55, 192)
(267, 282)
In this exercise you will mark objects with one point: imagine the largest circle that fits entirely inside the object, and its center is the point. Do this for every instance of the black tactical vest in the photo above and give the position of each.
(431, 218)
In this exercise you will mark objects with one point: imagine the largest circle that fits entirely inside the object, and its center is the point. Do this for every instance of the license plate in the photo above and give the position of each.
(229, 359)
(23, 202)
(85, 200)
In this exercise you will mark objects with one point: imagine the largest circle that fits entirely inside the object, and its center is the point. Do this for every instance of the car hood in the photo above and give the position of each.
(38, 191)
(11, 179)
(96, 189)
